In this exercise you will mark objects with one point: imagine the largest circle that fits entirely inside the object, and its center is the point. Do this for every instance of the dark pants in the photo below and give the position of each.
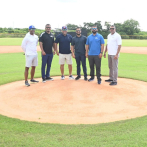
(79, 59)
(46, 59)
(95, 61)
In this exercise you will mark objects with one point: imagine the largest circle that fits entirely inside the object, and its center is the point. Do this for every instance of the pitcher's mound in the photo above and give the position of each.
(74, 102)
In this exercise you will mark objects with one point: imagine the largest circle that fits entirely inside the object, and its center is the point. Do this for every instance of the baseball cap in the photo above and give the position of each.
(64, 28)
(31, 27)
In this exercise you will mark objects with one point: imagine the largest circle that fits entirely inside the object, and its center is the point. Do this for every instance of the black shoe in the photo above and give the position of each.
(109, 80)
(27, 84)
(99, 81)
(78, 77)
(43, 80)
(91, 79)
(85, 78)
(49, 79)
(113, 83)
(33, 81)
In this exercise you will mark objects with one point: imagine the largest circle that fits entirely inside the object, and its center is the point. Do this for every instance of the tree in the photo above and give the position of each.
(71, 26)
(131, 26)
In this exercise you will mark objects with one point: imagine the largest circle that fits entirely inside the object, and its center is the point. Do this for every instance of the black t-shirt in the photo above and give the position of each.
(79, 44)
(47, 40)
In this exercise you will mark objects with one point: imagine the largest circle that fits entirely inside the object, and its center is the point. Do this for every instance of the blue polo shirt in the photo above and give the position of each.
(64, 43)
(95, 43)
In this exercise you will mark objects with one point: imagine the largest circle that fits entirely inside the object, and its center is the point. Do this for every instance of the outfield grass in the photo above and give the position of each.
(12, 67)
(16, 133)
(18, 41)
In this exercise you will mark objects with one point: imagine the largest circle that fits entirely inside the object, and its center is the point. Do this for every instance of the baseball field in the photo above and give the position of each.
(96, 115)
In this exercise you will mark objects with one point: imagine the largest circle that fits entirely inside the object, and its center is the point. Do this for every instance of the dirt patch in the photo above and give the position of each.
(16, 49)
(74, 102)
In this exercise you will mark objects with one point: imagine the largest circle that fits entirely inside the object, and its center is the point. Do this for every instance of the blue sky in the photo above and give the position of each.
(22, 13)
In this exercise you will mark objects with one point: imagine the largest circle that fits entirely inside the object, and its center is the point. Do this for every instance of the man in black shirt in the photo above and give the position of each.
(46, 42)
(78, 52)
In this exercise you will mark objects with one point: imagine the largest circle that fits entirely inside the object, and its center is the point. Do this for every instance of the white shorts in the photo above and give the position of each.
(31, 60)
(65, 57)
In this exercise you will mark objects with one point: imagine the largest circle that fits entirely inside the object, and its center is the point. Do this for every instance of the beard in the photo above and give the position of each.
(78, 33)
(94, 32)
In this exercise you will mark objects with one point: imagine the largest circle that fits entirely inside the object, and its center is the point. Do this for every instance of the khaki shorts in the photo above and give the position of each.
(31, 60)
(65, 57)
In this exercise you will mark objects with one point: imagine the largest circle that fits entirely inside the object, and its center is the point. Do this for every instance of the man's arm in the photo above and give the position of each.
(41, 46)
(102, 49)
(56, 49)
(24, 43)
(118, 51)
(72, 50)
(87, 48)
(105, 51)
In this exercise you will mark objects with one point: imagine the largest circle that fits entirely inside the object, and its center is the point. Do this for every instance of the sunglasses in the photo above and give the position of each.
(48, 27)
(78, 30)
(64, 29)
(94, 28)
(111, 28)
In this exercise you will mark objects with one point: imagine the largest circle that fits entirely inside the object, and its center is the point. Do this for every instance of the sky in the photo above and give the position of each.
(23, 13)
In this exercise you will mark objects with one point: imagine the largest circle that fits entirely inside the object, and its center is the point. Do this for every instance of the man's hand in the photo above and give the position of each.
(86, 55)
(73, 55)
(100, 55)
(54, 53)
(116, 57)
(43, 53)
(57, 53)
(104, 55)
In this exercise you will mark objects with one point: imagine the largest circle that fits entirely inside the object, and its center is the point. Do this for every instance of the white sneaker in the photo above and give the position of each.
(71, 77)
(62, 77)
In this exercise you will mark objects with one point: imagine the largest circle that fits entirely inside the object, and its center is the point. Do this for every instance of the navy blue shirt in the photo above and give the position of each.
(79, 44)
(64, 43)
(95, 43)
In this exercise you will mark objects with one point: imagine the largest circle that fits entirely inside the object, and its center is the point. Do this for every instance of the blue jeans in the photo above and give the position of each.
(46, 59)
(79, 59)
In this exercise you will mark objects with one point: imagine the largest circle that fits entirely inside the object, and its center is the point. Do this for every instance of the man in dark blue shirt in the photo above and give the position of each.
(78, 46)
(95, 46)
(64, 53)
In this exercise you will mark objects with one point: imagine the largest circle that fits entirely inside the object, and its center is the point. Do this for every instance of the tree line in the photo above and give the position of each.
(125, 29)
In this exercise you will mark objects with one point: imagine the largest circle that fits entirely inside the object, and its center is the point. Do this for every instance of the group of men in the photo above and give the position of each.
(78, 47)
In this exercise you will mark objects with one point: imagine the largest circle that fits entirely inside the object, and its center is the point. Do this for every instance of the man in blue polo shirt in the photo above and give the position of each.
(95, 46)
(64, 53)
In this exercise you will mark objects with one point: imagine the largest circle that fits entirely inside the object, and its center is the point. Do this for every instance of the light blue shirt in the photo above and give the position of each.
(95, 43)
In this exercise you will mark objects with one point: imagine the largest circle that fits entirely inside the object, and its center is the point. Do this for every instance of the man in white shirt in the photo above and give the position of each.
(113, 47)
(29, 46)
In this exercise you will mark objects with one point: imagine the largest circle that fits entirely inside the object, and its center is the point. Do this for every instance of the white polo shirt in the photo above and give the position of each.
(29, 44)
(113, 40)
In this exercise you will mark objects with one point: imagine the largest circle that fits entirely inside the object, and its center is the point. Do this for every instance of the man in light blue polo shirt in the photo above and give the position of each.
(95, 46)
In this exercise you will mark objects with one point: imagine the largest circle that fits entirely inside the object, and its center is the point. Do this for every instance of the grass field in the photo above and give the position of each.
(16, 133)
(18, 41)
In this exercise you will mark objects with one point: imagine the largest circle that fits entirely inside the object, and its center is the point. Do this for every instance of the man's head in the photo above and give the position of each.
(78, 31)
(112, 29)
(64, 30)
(48, 28)
(32, 29)
(94, 29)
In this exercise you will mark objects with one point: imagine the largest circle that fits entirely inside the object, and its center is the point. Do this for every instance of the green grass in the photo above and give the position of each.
(18, 41)
(12, 67)
(128, 133)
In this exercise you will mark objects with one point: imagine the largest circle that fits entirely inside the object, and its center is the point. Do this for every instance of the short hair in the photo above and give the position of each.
(78, 28)
(47, 25)
(94, 26)
(113, 26)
